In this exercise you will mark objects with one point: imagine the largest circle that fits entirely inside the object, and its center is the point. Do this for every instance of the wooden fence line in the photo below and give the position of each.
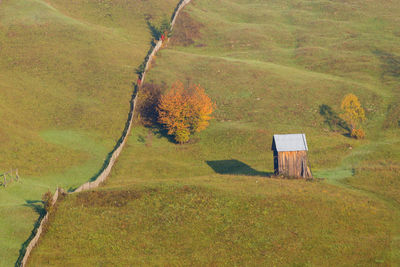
(116, 151)
(39, 231)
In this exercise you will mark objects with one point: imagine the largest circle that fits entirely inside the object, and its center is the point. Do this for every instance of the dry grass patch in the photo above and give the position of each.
(186, 30)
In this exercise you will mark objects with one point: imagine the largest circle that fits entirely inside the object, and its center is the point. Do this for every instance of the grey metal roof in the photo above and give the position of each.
(290, 142)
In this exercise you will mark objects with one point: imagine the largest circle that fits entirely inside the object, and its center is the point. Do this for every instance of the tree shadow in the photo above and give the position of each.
(155, 31)
(37, 206)
(390, 63)
(160, 132)
(235, 167)
(333, 120)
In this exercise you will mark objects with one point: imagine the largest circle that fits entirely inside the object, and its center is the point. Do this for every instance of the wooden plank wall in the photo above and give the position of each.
(293, 164)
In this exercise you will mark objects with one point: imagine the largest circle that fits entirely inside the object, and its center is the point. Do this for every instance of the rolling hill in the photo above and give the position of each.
(66, 73)
(269, 66)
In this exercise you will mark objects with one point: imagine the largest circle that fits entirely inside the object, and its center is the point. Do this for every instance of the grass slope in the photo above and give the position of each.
(269, 65)
(268, 223)
(66, 69)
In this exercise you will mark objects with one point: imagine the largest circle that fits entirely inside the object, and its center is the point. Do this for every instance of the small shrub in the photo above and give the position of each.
(163, 29)
(139, 70)
(182, 135)
(358, 133)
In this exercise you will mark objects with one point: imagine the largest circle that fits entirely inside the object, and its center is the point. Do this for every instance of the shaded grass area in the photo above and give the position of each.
(197, 225)
(269, 66)
(66, 72)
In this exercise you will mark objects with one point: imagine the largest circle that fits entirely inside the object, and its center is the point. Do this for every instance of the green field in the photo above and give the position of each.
(203, 221)
(66, 73)
(269, 66)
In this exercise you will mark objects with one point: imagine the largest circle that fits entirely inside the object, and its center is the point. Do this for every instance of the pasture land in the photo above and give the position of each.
(217, 220)
(269, 66)
(66, 73)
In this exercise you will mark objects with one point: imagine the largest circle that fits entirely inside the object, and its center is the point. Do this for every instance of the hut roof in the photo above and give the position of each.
(289, 142)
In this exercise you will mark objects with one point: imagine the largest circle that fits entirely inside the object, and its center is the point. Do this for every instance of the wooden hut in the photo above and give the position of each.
(290, 155)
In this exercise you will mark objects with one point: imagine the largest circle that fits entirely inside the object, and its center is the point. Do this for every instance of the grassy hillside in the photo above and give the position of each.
(66, 69)
(268, 222)
(269, 66)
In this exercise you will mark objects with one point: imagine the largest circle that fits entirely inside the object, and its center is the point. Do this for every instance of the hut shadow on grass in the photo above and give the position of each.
(235, 167)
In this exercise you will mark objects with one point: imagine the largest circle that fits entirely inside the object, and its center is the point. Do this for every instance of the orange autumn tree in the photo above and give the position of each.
(185, 111)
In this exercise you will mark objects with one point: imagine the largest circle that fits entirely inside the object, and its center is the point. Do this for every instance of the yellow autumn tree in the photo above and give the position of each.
(184, 111)
(353, 114)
